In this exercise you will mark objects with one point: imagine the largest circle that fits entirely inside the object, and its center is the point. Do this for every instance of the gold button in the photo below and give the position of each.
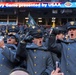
(34, 64)
(2, 58)
(68, 48)
(67, 56)
(35, 57)
(69, 43)
(35, 72)
(43, 57)
(1, 65)
(67, 70)
(34, 50)
(67, 64)
(9, 48)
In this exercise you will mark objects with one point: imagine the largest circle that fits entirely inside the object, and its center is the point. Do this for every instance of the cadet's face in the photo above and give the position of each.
(72, 33)
(38, 41)
(11, 40)
(19, 73)
(60, 36)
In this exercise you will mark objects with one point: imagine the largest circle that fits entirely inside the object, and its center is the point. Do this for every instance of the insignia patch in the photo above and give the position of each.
(13, 27)
(33, 27)
(72, 22)
(38, 30)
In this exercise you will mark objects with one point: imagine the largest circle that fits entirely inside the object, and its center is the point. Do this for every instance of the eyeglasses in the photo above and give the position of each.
(12, 37)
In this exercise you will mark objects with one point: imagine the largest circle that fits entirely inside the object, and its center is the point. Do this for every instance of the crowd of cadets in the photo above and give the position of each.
(37, 49)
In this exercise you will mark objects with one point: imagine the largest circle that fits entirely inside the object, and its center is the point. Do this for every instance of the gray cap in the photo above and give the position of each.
(71, 25)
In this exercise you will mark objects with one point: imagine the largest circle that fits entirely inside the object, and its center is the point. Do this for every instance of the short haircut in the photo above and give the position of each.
(19, 69)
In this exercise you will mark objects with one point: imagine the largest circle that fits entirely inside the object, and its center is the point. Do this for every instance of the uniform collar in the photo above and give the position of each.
(69, 40)
(34, 46)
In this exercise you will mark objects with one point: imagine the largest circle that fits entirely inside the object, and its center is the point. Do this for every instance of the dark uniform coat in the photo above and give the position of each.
(68, 54)
(5, 65)
(38, 61)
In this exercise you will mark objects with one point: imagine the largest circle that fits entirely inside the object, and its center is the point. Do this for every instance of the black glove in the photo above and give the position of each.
(21, 52)
(44, 73)
(54, 31)
(28, 38)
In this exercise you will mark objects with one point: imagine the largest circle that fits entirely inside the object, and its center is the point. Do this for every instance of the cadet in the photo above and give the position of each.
(60, 31)
(60, 35)
(13, 29)
(67, 49)
(39, 61)
(5, 65)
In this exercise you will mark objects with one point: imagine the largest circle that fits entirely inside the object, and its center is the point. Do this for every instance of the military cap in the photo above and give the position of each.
(16, 36)
(3, 27)
(13, 28)
(71, 25)
(36, 32)
(60, 29)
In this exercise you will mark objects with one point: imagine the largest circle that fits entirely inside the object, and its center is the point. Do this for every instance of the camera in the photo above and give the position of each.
(28, 39)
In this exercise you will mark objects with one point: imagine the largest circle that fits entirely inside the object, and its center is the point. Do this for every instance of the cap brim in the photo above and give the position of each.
(71, 27)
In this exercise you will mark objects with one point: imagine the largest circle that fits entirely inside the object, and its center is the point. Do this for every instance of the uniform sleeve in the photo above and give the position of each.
(16, 55)
(53, 45)
(49, 63)
(9, 54)
(21, 51)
